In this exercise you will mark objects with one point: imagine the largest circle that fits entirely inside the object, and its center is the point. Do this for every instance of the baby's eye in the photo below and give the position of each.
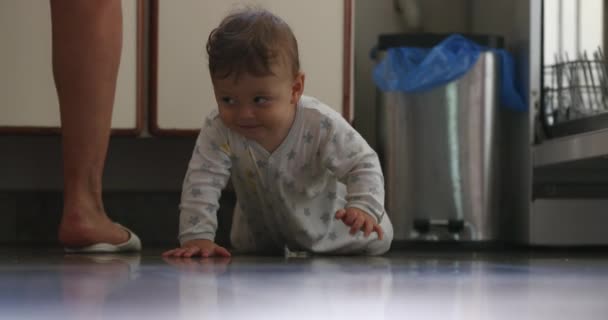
(228, 100)
(260, 100)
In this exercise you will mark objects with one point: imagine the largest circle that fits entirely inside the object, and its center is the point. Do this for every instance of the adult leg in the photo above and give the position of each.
(87, 42)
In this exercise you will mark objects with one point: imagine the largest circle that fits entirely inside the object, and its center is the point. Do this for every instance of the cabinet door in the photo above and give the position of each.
(180, 89)
(27, 90)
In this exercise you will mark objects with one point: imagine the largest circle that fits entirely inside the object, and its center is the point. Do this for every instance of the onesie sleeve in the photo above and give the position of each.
(355, 163)
(207, 174)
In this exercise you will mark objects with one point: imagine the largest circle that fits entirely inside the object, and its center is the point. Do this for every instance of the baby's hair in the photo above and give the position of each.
(251, 40)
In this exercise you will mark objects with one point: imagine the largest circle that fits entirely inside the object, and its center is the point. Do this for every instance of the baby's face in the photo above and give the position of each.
(259, 108)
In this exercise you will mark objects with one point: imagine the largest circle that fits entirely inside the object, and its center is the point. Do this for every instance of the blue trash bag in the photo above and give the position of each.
(411, 70)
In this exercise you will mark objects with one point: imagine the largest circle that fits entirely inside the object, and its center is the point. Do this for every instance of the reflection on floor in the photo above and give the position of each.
(46, 284)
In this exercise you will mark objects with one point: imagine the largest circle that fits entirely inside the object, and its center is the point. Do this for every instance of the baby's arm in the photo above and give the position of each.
(356, 164)
(208, 173)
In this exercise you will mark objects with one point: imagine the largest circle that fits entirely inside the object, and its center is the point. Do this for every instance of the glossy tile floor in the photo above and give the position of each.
(46, 284)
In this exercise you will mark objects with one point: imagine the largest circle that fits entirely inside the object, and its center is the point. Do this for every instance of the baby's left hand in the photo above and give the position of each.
(358, 219)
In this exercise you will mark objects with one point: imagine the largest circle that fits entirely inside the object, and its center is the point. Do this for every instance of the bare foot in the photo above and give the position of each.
(78, 230)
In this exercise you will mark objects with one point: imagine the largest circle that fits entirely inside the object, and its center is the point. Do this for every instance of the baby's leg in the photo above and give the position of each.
(379, 247)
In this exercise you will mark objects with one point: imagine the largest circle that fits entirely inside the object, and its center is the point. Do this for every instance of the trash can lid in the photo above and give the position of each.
(429, 40)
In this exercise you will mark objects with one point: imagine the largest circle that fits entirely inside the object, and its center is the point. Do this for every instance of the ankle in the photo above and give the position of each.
(83, 191)
(82, 205)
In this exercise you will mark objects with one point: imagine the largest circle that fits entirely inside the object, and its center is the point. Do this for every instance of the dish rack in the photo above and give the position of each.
(575, 95)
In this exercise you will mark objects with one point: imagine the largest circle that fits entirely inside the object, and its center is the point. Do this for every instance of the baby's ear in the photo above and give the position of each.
(297, 88)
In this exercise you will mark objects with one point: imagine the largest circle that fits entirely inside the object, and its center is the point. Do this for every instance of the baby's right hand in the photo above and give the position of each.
(204, 248)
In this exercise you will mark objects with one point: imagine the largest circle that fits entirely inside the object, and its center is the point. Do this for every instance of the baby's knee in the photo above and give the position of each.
(379, 247)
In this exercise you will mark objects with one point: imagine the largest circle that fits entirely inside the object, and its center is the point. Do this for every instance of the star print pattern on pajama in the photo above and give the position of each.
(290, 196)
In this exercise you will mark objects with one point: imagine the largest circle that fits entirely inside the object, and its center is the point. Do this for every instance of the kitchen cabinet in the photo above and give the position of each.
(180, 88)
(29, 101)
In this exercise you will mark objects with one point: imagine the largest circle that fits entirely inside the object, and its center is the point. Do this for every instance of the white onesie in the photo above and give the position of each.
(288, 197)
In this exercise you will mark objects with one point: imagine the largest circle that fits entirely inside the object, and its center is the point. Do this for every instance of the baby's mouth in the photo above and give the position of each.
(248, 127)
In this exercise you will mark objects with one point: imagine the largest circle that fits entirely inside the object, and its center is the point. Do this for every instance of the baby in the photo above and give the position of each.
(305, 180)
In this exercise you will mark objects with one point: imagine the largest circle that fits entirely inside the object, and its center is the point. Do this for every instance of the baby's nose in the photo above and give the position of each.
(246, 112)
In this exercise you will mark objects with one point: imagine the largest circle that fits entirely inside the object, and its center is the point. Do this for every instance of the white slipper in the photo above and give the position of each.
(133, 244)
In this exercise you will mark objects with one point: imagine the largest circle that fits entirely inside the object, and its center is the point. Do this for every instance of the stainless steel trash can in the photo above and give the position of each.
(439, 151)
